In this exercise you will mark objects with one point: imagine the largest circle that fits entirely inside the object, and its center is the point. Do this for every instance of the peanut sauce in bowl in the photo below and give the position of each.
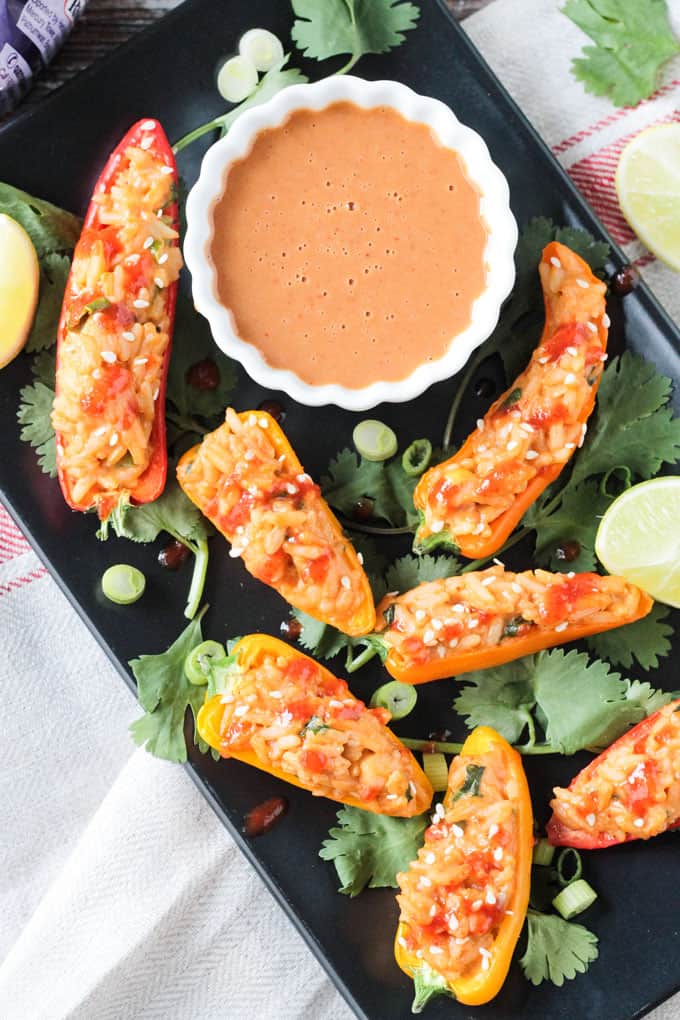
(350, 242)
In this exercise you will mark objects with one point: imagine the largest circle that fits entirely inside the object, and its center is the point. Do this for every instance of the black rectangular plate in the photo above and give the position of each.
(56, 152)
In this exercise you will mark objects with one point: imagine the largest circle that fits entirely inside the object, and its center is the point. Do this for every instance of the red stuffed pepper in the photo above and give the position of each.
(113, 343)
(630, 791)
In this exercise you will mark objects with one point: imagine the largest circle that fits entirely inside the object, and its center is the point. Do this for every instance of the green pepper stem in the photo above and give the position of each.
(352, 665)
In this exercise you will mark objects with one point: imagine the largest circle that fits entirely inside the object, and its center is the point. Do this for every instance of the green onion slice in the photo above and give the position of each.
(236, 79)
(417, 457)
(123, 584)
(397, 698)
(261, 48)
(544, 852)
(569, 859)
(374, 440)
(436, 770)
(200, 659)
(573, 900)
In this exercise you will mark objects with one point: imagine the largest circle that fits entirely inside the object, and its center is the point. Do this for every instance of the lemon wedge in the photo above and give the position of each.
(639, 538)
(648, 186)
(19, 284)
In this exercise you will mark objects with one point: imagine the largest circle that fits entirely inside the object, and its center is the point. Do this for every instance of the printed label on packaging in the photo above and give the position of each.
(46, 22)
(13, 67)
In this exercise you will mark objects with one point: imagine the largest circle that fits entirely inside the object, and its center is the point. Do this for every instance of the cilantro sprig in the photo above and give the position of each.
(556, 950)
(633, 40)
(328, 28)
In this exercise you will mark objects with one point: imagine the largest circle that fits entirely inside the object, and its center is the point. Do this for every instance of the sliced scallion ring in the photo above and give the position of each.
(399, 699)
(544, 852)
(199, 660)
(236, 79)
(123, 584)
(436, 770)
(261, 48)
(374, 440)
(574, 899)
(416, 457)
(569, 859)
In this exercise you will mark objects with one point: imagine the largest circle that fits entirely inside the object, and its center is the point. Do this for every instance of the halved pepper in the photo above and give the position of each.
(484, 618)
(464, 899)
(246, 478)
(282, 712)
(475, 499)
(115, 330)
(630, 791)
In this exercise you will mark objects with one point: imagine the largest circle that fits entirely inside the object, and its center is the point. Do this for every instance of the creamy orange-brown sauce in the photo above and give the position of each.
(349, 245)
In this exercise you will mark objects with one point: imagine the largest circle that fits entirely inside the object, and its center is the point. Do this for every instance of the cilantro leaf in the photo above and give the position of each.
(633, 427)
(44, 367)
(645, 640)
(322, 640)
(165, 693)
(350, 478)
(409, 571)
(34, 414)
(575, 519)
(50, 229)
(556, 950)
(579, 704)
(632, 40)
(54, 270)
(369, 849)
(326, 28)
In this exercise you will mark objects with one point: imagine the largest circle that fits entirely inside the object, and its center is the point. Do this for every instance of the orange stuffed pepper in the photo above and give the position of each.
(475, 499)
(246, 478)
(485, 618)
(464, 899)
(282, 712)
(630, 791)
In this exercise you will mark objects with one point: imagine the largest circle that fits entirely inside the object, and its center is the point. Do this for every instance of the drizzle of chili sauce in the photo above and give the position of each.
(561, 598)
(263, 817)
(573, 334)
(114, 380)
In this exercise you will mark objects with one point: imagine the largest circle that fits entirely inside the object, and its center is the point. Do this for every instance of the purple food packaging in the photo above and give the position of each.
(31, 32)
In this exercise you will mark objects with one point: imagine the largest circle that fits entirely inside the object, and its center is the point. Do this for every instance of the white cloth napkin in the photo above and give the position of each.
(121, 895)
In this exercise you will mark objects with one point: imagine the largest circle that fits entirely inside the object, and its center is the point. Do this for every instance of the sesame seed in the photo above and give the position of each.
(570, 446)
(360, 557)
(114, 439)
(140, 361)
(128, 335)
(562, 626)
(498, 562)
(517, 588)
(148, 243)
(240, 710)
(429, 858)
(436, 527)
(424, 882)
(412, 788)
(554, 261)
(439, 810)
(480, 424)
(252, 420)
(526, 427)
(590, 819)
(166, 170)
(569, 379)
(493, 830)
(436, 950)
(452, 922)
(572, 351)
(291, 489)
(133, 259)
(542, 361)
(512, 445)
(498, 853)
(479, 529)
(606, 321)
(582, 283)
(240, 529)
(592, 327)
(474, 622)
(146, 142)
(429, 636)
(159, 283)
(603, 357)
(453, 642)
(249, 455)
(457, 830)
(235, 551)
(477, 905)
(458, 608)
(531, 455)
(491, 898)
(484, 952)
(275, 694)
(159, 212)
(345, 582)
(109, 357)
(140, 303)
(263, 423)
(97, 374)
(162, 259)
(489, 580)
(638, 823)
(485, 963)
(156, 392)
(571, 573)
(509, 913)
(100, 431)
(440, 497)
(420, 615)
(148, 125)
(437, 624)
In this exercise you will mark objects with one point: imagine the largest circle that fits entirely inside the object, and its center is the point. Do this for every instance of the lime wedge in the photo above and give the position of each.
(648, 186)
(19, 281)
(639, 538)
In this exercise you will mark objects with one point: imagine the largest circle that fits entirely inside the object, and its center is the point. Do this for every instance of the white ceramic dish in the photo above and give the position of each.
(494, 207)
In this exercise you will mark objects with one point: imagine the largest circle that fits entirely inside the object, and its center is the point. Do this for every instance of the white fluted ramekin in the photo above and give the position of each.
(494, 208)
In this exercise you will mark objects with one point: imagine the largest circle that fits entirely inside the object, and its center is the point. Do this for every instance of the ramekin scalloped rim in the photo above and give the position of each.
(494, 209)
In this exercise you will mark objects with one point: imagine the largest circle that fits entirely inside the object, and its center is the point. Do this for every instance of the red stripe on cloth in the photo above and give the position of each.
(580, 136)
(21, 582)
(644, 260)
(12, 542)
(594, 177)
